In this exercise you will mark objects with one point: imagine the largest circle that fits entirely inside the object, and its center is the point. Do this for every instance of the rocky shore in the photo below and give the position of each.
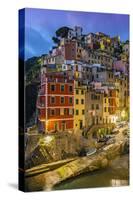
(81, 165)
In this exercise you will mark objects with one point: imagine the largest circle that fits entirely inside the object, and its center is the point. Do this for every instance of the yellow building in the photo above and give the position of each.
(105, 44)
(79, 106)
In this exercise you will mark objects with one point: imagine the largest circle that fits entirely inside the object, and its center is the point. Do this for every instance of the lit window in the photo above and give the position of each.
(70, 111)
(62, 111)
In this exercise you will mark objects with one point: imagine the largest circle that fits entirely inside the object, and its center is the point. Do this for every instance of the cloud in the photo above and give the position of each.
(41, 25)
(35, 43)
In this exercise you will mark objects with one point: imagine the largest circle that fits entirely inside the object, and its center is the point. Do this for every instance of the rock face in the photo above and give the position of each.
(62, 146)
(85, 164)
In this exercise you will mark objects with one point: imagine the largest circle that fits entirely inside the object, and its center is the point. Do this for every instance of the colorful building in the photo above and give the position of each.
(94, 106)
(79, 106)
(84, 81)
(55, 102)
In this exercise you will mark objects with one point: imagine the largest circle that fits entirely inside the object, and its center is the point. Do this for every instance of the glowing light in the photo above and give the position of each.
(123, 114)
(48, 139)
(46, 123)
(115, 119)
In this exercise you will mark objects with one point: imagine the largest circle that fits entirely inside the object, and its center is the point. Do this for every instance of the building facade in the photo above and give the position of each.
(55, 103)
(79, 106)
(84, 81)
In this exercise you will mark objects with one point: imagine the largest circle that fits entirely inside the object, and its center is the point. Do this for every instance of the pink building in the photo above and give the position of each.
(120, 66)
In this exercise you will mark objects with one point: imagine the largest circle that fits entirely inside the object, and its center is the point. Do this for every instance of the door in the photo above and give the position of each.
(63, 126)
(81, 124)
(97, 120)
(56, 126)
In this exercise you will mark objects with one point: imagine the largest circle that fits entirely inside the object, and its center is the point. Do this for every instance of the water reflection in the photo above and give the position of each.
(115, 175)
(118, 182)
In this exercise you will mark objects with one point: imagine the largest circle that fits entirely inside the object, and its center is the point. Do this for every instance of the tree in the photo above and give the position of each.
(127, 42)
(62, 32)
(55, 40)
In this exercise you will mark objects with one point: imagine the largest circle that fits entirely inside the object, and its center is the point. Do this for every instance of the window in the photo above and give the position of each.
(95, 97)
(97, 106)
(62, 111)
(105, 109)
(52, 99)
(62, 100)
(70, 100)
(98, 97)
(42, 101)
(70, 111)
(77, 92)
(92, 106)
(65, 111)
(53, 88)
(92, 96)
(57, 111)
(70, 88)
(82, 91)
(82, 101)
(52, 112)
(77, 112)
(77, 101)
(62, 88)
(83, 112)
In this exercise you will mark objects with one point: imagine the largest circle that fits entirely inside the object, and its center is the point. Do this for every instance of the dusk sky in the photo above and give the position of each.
(41, 24)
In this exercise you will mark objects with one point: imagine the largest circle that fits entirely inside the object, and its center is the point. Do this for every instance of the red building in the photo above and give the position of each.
(55, 102)
(70, 50)
(113, 102)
